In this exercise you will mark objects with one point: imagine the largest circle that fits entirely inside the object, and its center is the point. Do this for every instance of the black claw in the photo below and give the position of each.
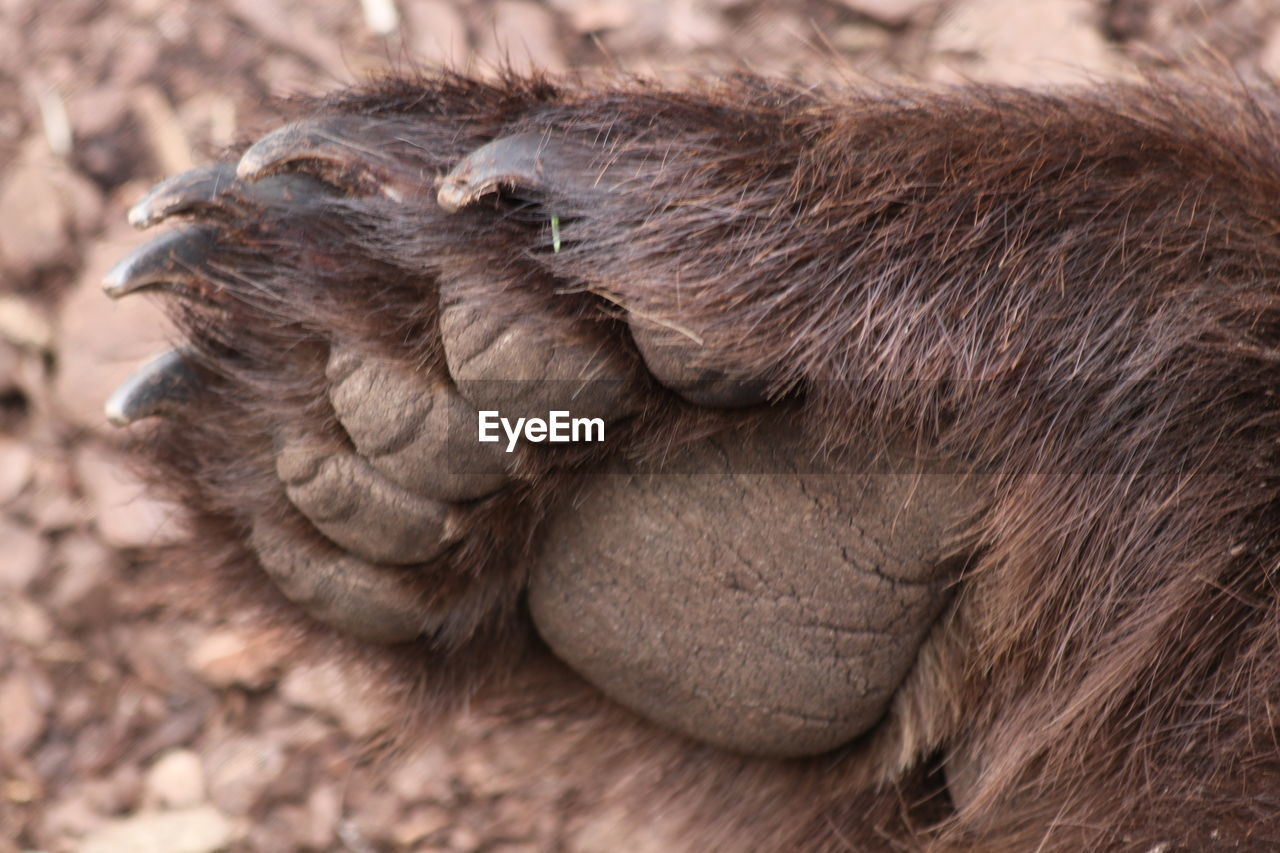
(532, 161)
(175, 261)
(341, 150)
(159, 387)
(192, 191)
(214, 191)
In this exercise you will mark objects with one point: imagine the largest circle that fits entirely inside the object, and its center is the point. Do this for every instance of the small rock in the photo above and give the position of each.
(53, 505)
(615, 830)
(861, 37)
(156, 656)
(517, 817)
(324, 811)
(464, 839)
(10, 366)
(24, 621)
(118, 792)
(32, 222)
(1269, 61)
(419, 824)
(25, 699)
(239, 771)
(427, 774)
(328, 688)
(439, 34)
(100, 341)
(593, 16)
(15, 468)
(282, 830)
(97, 110)
(214, 115)
(176, 780)
(23, 324)
(892, 13)
(70, 817)
(43, 203)
(84, 567)
(371, 812)
(169, 141)
(125, 512)
(691, 25)
(1024, 44)
(229, 657)
(24, 553)
(138, 63)
(197, 830)
(295, 27)
(517, 847)
(382, 17)
(523, 36)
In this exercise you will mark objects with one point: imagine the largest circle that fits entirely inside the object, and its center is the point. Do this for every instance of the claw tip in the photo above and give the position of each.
(115, 281)
(451, 197)
(155, 388)
(141, 214)
(252, 163)
(247, 170)
(114, 410)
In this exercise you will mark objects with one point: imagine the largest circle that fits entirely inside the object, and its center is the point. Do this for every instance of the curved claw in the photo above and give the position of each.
(342, 150)
(214, 190)
(161, 386)
(188, 192)
(176, 260)
(532, 161)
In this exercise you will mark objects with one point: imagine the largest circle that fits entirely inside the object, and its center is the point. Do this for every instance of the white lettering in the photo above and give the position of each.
(488, 423)
(559, 422)
(559, 428)
(588, 426)
(513, 433)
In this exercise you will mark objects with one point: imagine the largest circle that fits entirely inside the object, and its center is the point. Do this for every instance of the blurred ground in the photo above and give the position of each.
(128, 723)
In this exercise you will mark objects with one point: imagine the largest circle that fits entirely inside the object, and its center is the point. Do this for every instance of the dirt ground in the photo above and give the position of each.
(130, 723)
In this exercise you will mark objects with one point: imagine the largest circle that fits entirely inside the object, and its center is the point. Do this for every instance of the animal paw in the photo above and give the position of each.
(368, 287)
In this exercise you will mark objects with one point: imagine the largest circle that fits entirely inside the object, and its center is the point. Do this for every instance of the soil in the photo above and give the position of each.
(132, 722)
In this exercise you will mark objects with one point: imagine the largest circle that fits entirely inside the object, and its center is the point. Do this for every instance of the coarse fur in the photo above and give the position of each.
(1073, 292)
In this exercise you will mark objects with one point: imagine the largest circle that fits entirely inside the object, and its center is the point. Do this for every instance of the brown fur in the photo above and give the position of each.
(1075, 293)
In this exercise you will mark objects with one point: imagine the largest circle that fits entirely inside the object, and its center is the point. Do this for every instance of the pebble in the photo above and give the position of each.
(892, 13)
(228, 657)
(24, 621)
(24, 325)
(100, 341)
(593, 16)
(25, 699)
(24, 552)
(420, 823)
(1269, 61)
(43, 205)
(176, 780)
(438, 34)
(202, 829)
(240, 770)
(126, 512)
(84, 568)
(523, 36)
(425, 774)
(330, 689)
(323, 813)
(1020, 43)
